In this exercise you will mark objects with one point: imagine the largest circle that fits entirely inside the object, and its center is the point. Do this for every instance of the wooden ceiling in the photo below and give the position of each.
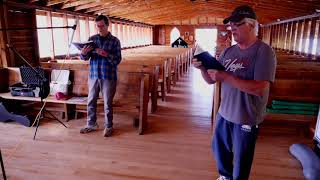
(167, 12)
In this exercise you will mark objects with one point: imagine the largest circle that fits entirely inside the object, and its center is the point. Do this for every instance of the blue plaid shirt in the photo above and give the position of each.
(104, 67)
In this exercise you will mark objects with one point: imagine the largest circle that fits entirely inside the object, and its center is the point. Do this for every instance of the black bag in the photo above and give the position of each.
(30, 82)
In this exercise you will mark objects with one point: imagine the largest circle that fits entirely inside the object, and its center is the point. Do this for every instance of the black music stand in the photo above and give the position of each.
(2, 167)
(43, 94)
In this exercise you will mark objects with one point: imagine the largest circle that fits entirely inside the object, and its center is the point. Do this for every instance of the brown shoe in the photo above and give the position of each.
(107, 132)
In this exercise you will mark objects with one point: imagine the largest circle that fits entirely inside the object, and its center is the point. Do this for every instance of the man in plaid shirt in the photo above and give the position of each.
(104, 59)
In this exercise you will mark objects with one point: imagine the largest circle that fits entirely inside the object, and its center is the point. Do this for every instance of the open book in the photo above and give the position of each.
(208, 61)
(79, 46)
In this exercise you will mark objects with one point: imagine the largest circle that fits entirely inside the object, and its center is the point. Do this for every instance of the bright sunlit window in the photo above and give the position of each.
(92, 28)
(44, 41)
(83, 36)
(56, 41)
(207, 39)
(73, 49)
(315, 40)
(59, 39)
(174, 35)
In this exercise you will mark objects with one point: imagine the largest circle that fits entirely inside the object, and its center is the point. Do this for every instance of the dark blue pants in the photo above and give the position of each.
(233, 147)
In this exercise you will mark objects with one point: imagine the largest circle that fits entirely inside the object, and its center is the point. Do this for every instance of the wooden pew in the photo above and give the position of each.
(79, 86)
(161, 62)
(297, 79)
(132, 91)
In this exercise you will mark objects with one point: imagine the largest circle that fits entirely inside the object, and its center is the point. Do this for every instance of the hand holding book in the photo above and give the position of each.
(207, 61)
(80, 46)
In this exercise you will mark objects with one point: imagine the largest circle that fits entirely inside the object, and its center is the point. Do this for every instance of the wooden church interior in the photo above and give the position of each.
(164, 111)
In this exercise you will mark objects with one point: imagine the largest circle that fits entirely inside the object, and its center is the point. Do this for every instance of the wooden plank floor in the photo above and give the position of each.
(176, 146)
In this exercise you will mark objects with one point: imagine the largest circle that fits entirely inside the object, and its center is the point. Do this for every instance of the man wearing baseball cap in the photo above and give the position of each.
(250, 69)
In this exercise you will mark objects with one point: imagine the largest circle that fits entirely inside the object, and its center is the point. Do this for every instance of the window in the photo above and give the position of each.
(83, 32)
(59, 39)
(92, 28)
(56, 41)
(174, 35)
(300, 37)
(113, 29)
(315, 40)
(71, 22)
(44, 41)
(306, 47)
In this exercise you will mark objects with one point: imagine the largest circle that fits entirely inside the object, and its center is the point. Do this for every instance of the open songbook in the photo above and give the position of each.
(79, 46)
(208, 61)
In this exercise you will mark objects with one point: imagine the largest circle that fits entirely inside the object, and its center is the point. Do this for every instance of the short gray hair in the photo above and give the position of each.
(254, 23)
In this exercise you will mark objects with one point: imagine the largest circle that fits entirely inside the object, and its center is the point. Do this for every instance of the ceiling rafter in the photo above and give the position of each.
(171, 11)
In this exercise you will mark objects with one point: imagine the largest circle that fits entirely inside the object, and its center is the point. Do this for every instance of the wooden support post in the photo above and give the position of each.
(5, 54)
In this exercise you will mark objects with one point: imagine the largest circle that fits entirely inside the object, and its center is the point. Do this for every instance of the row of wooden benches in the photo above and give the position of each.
(140, 74)
(297, 79)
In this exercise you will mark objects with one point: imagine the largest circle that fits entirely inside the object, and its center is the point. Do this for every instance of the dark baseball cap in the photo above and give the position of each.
(240, 13)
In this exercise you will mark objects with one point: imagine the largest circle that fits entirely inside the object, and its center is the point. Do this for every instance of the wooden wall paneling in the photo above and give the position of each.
(4, 52)
(35, 39)
(23, 38)
(305, 35)
(312, 36)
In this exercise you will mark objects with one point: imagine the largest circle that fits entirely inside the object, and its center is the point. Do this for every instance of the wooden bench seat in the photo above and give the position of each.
(297, 79)
(132, 92)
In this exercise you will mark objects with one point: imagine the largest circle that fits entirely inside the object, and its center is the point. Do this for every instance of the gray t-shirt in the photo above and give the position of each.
(258, 62)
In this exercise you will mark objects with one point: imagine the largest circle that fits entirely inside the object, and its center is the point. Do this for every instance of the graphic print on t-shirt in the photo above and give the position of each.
(236, 64)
